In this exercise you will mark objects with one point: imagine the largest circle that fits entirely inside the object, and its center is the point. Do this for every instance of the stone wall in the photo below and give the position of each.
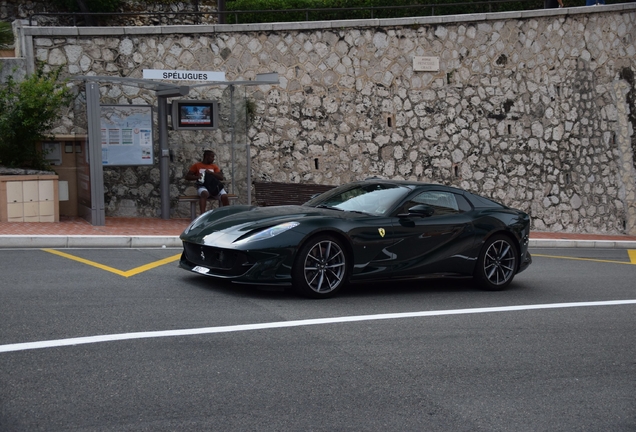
(12, 67)
(534, 109)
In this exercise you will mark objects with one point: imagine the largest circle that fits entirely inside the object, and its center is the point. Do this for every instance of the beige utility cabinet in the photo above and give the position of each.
(29, 198)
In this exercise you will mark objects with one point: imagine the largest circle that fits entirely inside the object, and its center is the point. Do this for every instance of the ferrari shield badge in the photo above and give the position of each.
(381, 231)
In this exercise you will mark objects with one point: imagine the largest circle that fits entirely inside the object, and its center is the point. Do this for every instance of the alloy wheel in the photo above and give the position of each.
(324, 266)
(500, 262)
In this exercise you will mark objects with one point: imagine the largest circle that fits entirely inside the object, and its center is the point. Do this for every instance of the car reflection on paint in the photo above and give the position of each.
(366, 230)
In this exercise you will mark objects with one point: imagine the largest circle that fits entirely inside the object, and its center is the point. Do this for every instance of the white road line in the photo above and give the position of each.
(299, 323)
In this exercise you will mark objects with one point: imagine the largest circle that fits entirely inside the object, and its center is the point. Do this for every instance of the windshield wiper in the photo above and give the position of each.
(343, 210)
(328, 207)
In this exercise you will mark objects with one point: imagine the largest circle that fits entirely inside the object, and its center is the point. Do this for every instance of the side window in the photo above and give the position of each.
(442, 202)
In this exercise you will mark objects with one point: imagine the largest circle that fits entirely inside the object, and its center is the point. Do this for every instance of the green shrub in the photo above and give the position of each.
(28, 110)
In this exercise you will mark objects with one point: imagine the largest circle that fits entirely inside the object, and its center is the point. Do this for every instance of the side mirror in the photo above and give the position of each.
(421, 210)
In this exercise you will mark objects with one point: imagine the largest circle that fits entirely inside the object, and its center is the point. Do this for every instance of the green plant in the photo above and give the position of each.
(250, 109)
(6, 35)
(28, 109)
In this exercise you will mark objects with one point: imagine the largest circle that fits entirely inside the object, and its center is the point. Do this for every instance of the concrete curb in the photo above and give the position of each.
(78, 241)
(602, 244)
(122, 242)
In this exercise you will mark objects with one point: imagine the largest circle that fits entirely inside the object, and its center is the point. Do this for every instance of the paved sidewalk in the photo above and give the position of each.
(156, 232)
(76, 232)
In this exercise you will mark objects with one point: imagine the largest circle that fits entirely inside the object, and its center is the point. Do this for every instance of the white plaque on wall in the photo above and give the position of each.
(426, 64)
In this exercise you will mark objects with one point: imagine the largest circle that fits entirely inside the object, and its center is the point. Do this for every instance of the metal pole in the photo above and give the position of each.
(164, 155)
(93, 112)
(220, 8)
(248, 157)
(232, 132)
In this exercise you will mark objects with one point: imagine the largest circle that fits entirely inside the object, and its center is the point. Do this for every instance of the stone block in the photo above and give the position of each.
(143, 30)
(100, 31)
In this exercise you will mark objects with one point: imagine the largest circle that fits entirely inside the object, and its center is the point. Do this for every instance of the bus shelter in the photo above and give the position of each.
(95, 214)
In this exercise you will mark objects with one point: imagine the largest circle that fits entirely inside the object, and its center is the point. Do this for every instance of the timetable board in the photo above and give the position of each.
(126, 132)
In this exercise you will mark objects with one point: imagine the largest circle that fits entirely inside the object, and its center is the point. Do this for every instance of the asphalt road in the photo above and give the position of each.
(160, 349)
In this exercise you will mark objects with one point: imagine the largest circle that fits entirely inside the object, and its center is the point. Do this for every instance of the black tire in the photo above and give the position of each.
(497, 264)
(321, 268)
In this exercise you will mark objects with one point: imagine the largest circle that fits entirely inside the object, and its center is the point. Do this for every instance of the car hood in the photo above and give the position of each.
(227, 224)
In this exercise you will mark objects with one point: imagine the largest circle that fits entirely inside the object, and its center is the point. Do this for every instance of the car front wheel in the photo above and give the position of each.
(321, 267)
(497, 264)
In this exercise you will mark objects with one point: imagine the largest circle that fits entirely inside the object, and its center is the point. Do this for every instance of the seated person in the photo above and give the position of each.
(198, 171)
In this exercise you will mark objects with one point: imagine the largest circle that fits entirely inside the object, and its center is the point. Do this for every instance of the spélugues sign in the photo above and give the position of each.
(183, 75)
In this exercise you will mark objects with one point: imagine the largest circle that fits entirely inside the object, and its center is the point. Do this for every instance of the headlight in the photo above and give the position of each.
(269, 232)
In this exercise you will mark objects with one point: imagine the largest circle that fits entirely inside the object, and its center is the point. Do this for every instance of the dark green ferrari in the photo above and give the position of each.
(367, 230)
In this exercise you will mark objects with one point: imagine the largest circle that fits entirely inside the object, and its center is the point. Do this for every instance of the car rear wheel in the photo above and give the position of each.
(497, 264)
(321, 267)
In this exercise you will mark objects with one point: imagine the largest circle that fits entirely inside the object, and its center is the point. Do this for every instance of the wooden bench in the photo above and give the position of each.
(275, 193)
(194, 202)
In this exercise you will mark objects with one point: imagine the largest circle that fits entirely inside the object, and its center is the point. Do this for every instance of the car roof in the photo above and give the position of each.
(412, 184)
(476, 200)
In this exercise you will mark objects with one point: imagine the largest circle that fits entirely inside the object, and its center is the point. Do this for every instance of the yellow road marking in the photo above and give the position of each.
(632, 256)
(128, 273)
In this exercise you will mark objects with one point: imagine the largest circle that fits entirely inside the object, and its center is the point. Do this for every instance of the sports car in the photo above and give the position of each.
(370, 230)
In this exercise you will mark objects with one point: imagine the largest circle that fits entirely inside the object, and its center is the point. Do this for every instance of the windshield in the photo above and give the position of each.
(376, 199)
